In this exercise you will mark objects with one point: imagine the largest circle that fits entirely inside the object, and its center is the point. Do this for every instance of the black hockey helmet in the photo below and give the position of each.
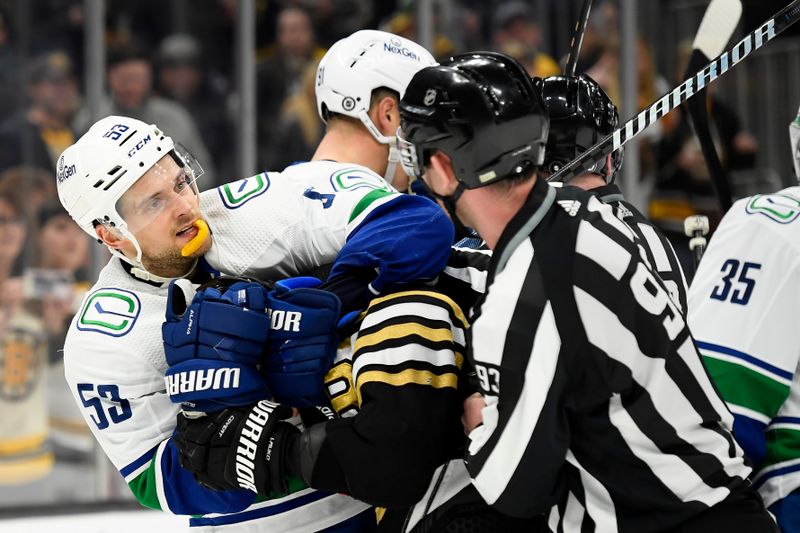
(581, 113)
(482, 110)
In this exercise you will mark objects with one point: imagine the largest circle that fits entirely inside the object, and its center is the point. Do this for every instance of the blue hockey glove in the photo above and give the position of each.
(302, 342)
(214, 344)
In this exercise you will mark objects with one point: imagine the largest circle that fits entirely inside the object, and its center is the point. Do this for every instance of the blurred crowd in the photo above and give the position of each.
(185, 81)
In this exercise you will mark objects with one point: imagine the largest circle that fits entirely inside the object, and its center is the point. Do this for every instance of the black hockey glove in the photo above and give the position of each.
(250, 447)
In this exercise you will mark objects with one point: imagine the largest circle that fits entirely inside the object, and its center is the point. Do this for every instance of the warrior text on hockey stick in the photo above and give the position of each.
(719, 66)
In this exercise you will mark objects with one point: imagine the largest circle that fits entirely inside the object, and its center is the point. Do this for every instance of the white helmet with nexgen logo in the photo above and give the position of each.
(357, 65)
(94, 173)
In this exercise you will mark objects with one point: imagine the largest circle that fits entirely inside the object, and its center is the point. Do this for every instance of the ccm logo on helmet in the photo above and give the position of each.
(139, 145)
(402, 50)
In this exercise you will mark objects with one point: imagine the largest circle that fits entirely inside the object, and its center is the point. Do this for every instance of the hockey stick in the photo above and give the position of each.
(716, 29)
(619, 137)
(577, 39)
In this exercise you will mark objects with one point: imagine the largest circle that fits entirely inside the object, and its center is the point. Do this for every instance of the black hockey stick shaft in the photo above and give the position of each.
(577, 38)
(698, 112)
(716, 28)
(716, 68)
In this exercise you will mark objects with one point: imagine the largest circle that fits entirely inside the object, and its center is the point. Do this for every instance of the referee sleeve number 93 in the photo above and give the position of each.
(489, 378)
(738, 276)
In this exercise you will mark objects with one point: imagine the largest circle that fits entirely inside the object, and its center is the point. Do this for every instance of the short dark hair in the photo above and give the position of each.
(127, 51)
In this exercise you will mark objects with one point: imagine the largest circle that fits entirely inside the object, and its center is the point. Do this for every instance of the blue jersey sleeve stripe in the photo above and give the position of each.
(786, 420)
(145, 458)
(252, 514)
(744, 357)
(776, 473)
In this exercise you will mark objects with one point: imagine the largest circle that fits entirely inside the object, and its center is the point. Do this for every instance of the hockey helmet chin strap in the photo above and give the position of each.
(394, 154)
(137, 268)
(449, 203)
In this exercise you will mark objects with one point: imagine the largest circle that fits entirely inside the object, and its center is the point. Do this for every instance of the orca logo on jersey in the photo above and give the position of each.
(201, 380)
(782, 208)
(358, 178)
(248, 444)
(109, 311)
(238, 193)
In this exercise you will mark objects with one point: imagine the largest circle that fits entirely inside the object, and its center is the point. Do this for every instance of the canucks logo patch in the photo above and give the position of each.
(109, 311)
(240, 192)
(357, 178)
(782, 208)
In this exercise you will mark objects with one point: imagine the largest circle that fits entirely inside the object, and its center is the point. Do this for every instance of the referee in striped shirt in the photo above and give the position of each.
(581, 113)
(595, 408)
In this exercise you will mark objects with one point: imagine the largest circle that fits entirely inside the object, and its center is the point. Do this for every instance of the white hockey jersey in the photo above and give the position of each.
(269, 225)
(743, 315)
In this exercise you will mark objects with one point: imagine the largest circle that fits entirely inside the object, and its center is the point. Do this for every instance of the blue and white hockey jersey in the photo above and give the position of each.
(268, 226)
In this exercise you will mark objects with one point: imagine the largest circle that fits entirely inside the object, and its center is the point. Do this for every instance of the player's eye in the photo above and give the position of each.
(153, 205)
(182, 183)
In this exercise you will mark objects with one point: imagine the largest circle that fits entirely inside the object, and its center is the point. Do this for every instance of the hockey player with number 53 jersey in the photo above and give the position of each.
(742, 312)
(130, 186)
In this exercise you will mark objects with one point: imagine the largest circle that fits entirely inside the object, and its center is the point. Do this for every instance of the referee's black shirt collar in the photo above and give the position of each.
(537, 204)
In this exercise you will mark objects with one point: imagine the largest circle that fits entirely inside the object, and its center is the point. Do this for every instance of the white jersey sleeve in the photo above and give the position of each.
(290, 222)
(742, 313)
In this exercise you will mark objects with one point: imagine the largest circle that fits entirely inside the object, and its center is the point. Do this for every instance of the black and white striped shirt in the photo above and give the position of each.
(599, 411)
(656, 247)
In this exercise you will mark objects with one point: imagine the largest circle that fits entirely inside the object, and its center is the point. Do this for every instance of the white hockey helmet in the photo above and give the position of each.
(360, 63)
(94, 173)
(794, 139)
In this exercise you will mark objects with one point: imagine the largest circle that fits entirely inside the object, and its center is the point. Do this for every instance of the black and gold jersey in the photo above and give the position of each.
(400, 374)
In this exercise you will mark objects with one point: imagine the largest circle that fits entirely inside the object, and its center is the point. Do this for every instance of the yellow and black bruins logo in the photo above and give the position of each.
(20, 364)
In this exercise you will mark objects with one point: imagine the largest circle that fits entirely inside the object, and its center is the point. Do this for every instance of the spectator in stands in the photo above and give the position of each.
(55, 288)
(280, 73)
(184, 78)
(300, 128)
(130, 81)
(516, 33)
(39, 133)
(24, 453)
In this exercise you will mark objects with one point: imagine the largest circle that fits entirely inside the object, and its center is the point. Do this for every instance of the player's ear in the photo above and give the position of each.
(443, 167)
(387, 117)
(109, 236)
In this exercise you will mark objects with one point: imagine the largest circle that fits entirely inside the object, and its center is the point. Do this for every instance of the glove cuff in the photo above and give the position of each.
(207, 385)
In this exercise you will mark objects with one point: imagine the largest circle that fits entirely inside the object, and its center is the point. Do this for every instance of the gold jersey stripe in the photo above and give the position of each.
(22, 445)
(439, 296)
(407, 377)
(26, 470)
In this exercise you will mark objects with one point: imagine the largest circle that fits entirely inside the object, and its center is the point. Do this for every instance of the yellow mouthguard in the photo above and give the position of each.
(202, 234)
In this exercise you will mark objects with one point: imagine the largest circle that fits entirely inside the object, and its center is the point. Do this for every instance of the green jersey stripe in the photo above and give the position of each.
(782, 445)
(739, 385)
(143, 487)
(367, 200)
